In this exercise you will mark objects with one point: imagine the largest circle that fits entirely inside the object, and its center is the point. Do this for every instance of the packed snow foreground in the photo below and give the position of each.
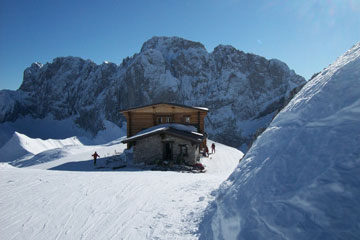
(301, 178)
(52, 190)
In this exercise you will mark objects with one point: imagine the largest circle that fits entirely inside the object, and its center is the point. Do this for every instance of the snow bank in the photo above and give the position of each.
(300, 180)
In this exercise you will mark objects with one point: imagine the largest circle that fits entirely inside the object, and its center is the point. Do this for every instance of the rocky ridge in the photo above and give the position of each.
(243, 91)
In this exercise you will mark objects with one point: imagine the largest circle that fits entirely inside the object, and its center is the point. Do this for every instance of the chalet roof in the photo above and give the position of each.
(170, 130)
(165, 103)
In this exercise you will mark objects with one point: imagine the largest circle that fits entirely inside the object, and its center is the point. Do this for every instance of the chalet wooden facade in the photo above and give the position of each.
(165, 131)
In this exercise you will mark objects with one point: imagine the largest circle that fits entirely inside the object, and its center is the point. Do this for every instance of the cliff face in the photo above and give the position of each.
(243, 91)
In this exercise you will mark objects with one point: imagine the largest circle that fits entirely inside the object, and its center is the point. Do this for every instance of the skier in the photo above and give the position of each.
(207, 151)
(95, 155)
(212, 148)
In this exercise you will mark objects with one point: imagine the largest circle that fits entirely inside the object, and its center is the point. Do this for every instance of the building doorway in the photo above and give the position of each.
(167, 150)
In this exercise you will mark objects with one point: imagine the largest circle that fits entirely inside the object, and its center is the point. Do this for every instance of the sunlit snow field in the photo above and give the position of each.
(81, 201)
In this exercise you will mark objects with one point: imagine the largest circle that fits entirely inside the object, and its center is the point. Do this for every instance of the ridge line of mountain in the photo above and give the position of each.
(243, 91)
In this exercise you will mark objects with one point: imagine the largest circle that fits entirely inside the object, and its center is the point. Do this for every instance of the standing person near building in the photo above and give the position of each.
(213, 148)
(205, 151)
(95, 155)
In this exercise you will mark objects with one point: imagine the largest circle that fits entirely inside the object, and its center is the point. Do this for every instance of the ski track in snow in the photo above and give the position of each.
(37, 203)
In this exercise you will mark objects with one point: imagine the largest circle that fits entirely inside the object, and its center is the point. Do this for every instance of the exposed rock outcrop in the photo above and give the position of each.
(243, 91)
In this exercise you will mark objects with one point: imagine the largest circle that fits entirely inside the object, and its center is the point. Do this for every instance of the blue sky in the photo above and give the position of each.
(307, 35)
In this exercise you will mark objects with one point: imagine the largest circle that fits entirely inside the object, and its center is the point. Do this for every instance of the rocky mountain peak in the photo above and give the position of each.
(170, 43)
(226, 49)
(243, 91)
(67, 68)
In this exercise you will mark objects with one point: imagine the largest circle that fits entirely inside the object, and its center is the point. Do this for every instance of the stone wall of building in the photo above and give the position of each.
(150, 150)
(193, 149)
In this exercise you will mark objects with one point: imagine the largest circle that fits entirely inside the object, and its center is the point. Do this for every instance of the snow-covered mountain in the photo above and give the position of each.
(300, 179)
(243, 91)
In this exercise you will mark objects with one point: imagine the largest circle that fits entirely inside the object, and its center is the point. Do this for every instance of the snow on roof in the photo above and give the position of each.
(174, 104)
(201, 108)
(189, 129)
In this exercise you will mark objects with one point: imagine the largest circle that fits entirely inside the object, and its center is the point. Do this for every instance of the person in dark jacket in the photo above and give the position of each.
(213, 148)
(207, 151)
(95, 155)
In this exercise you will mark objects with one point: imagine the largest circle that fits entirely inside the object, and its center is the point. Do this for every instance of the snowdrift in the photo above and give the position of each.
(300, 180)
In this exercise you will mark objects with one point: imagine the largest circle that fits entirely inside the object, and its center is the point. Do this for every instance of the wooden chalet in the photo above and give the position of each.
(165, 132)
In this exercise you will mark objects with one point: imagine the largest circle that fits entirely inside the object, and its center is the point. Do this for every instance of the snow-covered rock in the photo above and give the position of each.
(300, 179)
(243, 91)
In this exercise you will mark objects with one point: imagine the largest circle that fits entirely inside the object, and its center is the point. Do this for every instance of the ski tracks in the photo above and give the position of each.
(42, 204)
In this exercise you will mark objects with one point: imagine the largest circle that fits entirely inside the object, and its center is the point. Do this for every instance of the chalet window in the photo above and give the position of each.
(186, 119)
(164, 119)
(183, 149)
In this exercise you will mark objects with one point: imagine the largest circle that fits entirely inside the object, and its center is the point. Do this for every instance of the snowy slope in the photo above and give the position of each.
(50, 128)
(72, 158)
(300, 180)
(20, 145)
(82, 202)
(22, 150)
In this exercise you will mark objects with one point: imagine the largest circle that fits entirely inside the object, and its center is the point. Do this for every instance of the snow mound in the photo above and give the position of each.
(20, 145)
(300, 180)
